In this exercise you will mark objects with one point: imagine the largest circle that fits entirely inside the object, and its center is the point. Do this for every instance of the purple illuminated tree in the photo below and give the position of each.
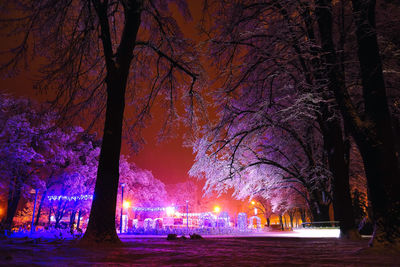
(20, 162)
(256, 148)
(71, 157)
(100, 55)
(42, 155)
(141, 187)
(269, 47)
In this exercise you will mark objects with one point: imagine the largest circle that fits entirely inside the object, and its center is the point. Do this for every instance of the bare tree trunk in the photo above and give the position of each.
(372, 131)
(281, 222)
(42, 199)
(319, 210)
(79, 219)
(375, 140)
(332, 130)
(49, 221)
(101, 227)
(14, 195)
(303, 215)
(60, 213)
(341, 200)
(291, 217)
(72, 220)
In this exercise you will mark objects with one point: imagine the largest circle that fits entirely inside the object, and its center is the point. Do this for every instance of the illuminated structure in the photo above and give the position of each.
(242, 221)
(70, 198)
(122, 207)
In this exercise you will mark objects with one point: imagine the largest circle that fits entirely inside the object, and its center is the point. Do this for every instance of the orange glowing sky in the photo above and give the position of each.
(169, 161)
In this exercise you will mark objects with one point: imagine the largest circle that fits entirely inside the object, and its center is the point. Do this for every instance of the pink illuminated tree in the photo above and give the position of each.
(142, 189)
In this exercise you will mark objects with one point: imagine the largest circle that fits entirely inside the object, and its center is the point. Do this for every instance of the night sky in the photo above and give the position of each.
(169, 161)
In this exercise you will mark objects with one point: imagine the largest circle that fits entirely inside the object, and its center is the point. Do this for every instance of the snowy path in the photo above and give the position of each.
(211, 251)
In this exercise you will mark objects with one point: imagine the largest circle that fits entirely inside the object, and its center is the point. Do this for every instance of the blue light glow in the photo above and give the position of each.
(70, 198)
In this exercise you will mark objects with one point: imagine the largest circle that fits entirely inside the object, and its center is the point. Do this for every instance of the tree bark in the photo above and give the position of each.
(79, 219)
(14, 195)
(60, 213)
(333, 137)
(281, 222)
(303, 215)
(49, 218)
(341, 199)
(72, 220)
(372, 131)
(42, 199)
(318, 208)
(376, 140)
(101, 227)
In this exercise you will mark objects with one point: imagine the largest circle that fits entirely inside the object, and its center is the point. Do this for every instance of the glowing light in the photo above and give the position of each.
(312, 232)
(170, 211)
(127, 204)
(149, 209)
(193, 214)
(217, 209)
(70, 198)
(253, 202)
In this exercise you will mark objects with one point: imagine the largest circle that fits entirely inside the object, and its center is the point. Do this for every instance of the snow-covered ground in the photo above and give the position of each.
(273, 249)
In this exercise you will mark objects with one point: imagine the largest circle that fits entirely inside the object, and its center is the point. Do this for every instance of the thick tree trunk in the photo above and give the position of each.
(72, 220)
(303, 215)
(384, 198)
(79, 219)
(60, 213)
(396, 130)
(42, 199)
(14, 195)
(376, 141)
(49, 218)
(291, 215)
(281, 222)
(341, 199)
(321, 213)
(372, 131)
(332, 130)
(319, 209)
(101, 227)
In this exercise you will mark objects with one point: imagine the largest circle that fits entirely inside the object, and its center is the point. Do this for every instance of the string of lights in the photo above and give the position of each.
(195, 214)
(70, 198)
(150, 209)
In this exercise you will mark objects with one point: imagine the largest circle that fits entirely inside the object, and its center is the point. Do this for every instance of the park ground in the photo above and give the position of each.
(211, 251)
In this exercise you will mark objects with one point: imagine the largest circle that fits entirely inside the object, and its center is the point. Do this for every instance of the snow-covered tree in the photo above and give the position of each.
(99, 56)
(42, 155)
(141, 187)
(266, 45)
(256, 149)
(21, 130)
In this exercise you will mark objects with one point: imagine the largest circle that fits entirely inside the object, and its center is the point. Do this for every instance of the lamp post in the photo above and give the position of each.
(122, 207)
(34, 208)
(187, 215)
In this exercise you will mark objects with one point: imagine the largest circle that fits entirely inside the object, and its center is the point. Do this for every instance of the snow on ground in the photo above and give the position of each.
(268, 250)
